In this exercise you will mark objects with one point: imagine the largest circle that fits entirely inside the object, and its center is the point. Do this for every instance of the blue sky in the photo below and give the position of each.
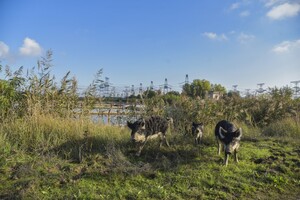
(241, 42)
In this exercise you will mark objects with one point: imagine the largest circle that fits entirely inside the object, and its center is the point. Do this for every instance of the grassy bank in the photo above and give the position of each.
(54, 158)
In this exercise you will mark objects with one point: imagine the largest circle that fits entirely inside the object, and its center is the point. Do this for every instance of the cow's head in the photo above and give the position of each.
(231, 139)
(137, 130)
(197, 128)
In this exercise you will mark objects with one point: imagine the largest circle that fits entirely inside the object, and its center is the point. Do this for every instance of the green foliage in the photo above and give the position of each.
(149, 94)
(198, 88)
(218, 88)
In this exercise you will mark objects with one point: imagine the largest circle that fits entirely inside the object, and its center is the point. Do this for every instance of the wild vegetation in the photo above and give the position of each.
(49, 152)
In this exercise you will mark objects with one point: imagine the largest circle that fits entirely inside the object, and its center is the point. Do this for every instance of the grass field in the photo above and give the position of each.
(46, 158)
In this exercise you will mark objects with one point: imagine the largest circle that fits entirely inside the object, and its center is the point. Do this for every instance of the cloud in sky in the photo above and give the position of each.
(283, 11)
(30, 48)
(235, 6)
(4, 50)
(270, 3)
(286, 46)
(214, 36)
(245, 38)
(245, 13)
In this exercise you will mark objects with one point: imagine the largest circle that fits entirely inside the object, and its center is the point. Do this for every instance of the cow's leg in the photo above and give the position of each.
(163, 138)
(141, 147)
(219, 145)
(199, 138)
(226, 159)
(235, 156)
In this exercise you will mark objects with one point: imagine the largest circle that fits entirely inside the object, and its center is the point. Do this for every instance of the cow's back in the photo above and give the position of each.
(156, 124)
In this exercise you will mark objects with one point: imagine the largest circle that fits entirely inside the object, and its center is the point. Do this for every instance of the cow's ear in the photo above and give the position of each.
(142, 124)
(238, 133)
(220, 132)
(129, 124)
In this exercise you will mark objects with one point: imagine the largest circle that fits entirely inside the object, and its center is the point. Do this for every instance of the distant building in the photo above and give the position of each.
(215, 95)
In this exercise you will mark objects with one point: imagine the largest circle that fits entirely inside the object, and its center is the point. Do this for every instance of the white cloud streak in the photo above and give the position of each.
(214, 36)
(245, 38)
(270, 3)
(284, 11)
(30, 48)
(245, 13)
(4, 50)
(235, 6)
(286, 46)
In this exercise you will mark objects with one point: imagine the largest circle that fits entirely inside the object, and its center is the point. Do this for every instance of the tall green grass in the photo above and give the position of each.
(45, 132)
(288, 127)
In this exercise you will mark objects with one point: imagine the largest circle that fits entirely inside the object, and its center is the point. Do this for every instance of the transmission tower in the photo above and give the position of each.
(151, 86)
(141, 89)
(247, 92)
(132, 90)
(166, 86)
(260, 89)
(296, 88)
(126, 91)
(186, 81)
(235, 88)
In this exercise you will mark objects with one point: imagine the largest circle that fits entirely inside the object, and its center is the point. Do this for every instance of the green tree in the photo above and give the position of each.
(149, 94)
(198, 88)
(218, 88)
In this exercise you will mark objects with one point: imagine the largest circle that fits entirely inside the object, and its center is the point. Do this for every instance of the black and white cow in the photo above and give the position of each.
(228, 135)
(197, 131)
(144, 129)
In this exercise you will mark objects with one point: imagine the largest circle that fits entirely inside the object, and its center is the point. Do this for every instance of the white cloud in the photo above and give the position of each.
(245, 38)
(4, 50)
(235, 6)
(283, 11)
(270, 3)
(214, 36)
(286, 46)
(245, 13)
(30, 48)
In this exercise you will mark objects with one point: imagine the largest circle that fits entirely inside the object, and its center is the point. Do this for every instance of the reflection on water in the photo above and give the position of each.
(115, 120)
(114, 116)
